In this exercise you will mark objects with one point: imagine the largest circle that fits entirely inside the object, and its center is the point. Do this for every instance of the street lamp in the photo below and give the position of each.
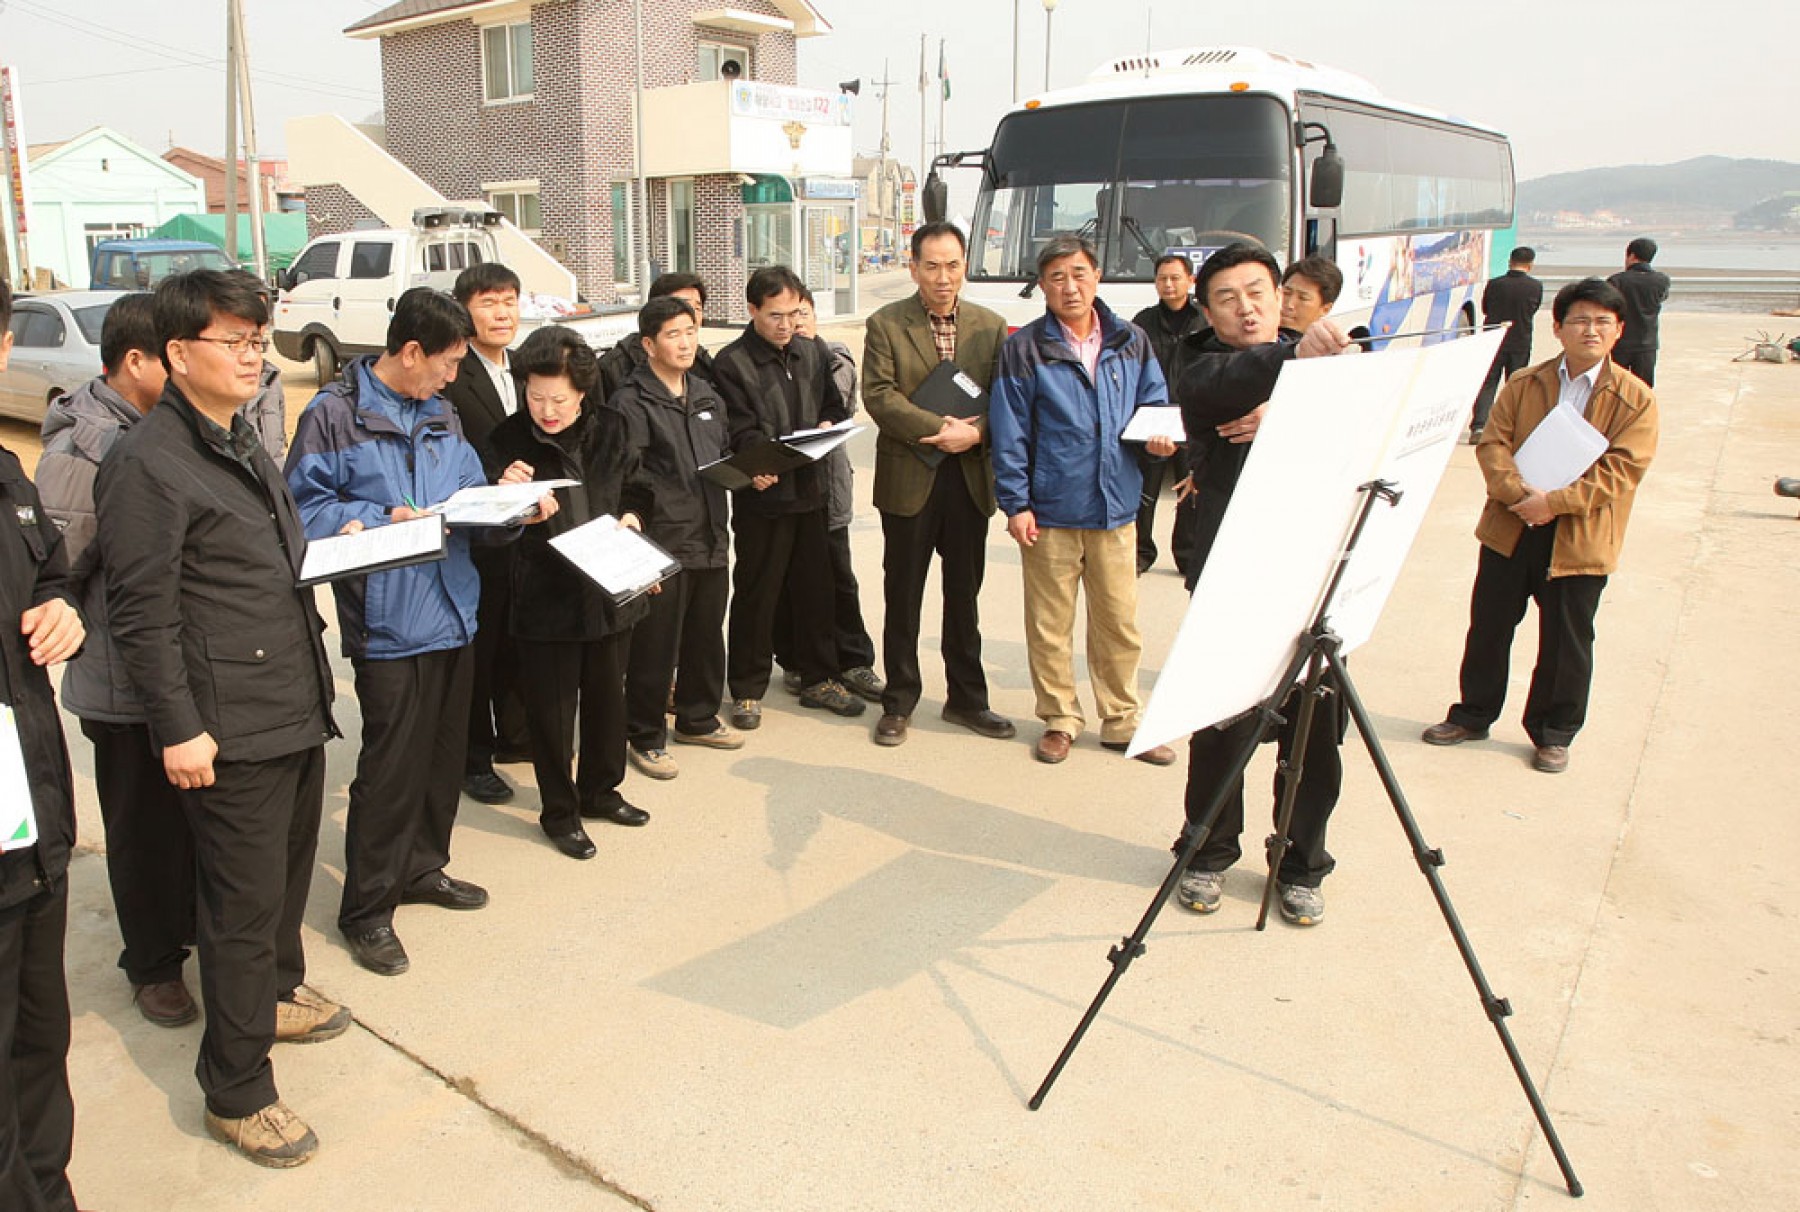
(1049, 11)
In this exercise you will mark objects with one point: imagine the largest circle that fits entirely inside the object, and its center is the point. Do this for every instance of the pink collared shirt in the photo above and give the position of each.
(1086, 348)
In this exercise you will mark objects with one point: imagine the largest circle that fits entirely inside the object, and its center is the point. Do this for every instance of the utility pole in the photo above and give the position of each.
(890, 195)
(231, 140)
(642, 233)
(924, 164)
(258, 250)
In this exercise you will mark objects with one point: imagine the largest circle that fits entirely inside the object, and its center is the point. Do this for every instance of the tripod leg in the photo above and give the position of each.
(1292, 771)
(1497, 1008)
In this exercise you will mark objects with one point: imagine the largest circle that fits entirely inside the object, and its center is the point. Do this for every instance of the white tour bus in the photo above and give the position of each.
(1186, 151)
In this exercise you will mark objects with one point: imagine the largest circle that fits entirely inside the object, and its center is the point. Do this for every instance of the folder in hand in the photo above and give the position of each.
(779, 456)
(949, 392)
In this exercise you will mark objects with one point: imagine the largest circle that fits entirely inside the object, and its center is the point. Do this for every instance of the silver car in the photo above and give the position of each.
(56, 348)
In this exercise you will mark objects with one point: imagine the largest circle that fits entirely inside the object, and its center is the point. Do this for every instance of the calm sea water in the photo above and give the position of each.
(1710, 250)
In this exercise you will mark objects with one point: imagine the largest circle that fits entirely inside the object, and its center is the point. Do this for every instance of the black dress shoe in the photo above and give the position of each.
(619, 813)
(378, 949)
(577, 845)
(513, 755)
(487, 788)
(445, 891)
(983, 723)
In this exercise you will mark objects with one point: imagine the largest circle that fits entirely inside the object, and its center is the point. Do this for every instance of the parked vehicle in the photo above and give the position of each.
(56, 348)
(338, 294)
(141, 264)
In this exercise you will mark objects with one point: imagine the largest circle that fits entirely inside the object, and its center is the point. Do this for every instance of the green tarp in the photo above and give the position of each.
(284, 234)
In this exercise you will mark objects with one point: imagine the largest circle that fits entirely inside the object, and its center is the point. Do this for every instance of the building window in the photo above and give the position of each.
(621, 233)
(681, 226)
(506, 61)
(713, 59)
(519, 203)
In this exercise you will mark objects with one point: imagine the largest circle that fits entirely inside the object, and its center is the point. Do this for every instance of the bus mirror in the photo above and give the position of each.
(935, 197)
(1327, 191)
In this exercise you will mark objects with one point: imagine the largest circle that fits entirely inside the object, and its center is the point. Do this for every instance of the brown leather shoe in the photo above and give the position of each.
(890, 730)
(1551, 759)
(166, 1003)
(1451, 733)
(1162, 755)
(1053, 746)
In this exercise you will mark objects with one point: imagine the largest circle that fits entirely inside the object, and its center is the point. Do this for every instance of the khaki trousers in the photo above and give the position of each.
(1104, 564)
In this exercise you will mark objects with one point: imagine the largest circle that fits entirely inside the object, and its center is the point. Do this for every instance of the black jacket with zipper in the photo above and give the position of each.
(675, 438)
(770, 392)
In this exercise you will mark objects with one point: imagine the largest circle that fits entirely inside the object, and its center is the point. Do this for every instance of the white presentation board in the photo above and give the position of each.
(1332, 424)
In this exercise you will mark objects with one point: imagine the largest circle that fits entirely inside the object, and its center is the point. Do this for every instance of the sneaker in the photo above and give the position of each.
(1199, 890)
(307, 1018)
(273, 1137)
(864, 682)
(654, 762)
(1301, 905)
(719, 738)
(746, 715)
(792, 682)
(831, 696)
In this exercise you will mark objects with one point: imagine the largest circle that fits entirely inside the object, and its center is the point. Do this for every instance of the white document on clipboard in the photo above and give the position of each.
(18, 823)
(616, 558)
(496, 504)
(1560, 450)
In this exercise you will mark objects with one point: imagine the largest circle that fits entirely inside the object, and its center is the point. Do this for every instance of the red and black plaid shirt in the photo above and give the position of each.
(943, 334)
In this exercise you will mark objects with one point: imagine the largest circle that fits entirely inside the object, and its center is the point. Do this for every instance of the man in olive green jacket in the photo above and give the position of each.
(1553, 545)
(934, 481)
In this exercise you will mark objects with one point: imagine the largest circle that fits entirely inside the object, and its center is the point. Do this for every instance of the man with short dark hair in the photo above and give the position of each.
(380, 445)
(1645, 289)
(202, 546)
(934, 483)
(623, 359)
(1552, 545)
(37, 1111)
(1512, 298)
(149, 847)
(1172, 317)
(773, 385)
(1226, 374)
(483, 395)
(1065, 389)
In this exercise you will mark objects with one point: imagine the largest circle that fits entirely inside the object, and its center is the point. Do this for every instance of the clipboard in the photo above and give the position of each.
(373, 549)
(618, 559)
(778, 456)
(948, 392)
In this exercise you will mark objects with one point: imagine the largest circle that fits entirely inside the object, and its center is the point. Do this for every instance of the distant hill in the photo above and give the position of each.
(1705, 190)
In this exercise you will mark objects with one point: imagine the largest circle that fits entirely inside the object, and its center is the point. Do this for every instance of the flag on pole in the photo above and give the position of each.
(943, 71)
(924, 76)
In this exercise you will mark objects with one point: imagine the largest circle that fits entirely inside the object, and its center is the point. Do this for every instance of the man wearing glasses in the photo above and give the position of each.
(201, 546)
(1548, 544)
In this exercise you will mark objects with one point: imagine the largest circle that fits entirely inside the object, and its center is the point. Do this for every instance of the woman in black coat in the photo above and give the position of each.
(571, 639)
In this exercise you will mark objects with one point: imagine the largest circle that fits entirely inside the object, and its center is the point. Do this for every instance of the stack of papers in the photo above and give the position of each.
(373, 549)
(496, 504)
(1155, 421)
(1560, 450)
(619, 560)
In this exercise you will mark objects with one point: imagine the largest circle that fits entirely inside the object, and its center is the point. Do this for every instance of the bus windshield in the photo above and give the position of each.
(1138, 177)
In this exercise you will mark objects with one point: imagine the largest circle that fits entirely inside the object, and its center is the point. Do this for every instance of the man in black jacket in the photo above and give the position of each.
(1514, 297)
(773, 385)
(1225, 375)
(1644, 289)
(202, 546)
(1172, 317)
(37, 1113)
(619, 363)
(483, 395)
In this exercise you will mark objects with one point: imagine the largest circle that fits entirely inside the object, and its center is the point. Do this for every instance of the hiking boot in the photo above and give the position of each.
(307, 1018)
(746, 715)
(654, 762)
(1301, 905)
(864, 682)
(273, 1137)
(1199, 890)
(831, 696)
(719, 738)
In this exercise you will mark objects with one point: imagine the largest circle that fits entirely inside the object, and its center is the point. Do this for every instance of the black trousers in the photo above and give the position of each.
(1505, 365)
(496, 714)
(849, 635)
(791, 550)
(683, 637)
(149, 851)
(37, 1112)
(1182, 540)
(1158, 473)
(408, 779)
(1556, 706)
(1640, 362)
(950, 526)
(1210, 752)
(560, 681)
(255, 833)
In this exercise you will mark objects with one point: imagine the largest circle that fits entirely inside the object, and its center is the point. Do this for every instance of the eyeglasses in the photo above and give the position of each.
(784, 317)
(239, 345)
(1595, 323)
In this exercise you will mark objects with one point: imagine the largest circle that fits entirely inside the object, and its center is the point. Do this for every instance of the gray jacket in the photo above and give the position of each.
(79, 429)
(267, 413)
(839, 490)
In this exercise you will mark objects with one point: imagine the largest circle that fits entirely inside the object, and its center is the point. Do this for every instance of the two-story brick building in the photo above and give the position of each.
(529, 105)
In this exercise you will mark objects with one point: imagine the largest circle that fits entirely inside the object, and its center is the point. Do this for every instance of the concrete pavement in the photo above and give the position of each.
(829, 975)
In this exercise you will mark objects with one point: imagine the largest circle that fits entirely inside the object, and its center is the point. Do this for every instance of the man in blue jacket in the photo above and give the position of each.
(378, 446)
(1066, 386)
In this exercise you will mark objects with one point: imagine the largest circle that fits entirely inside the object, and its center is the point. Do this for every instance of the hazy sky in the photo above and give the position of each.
(1575, 84)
